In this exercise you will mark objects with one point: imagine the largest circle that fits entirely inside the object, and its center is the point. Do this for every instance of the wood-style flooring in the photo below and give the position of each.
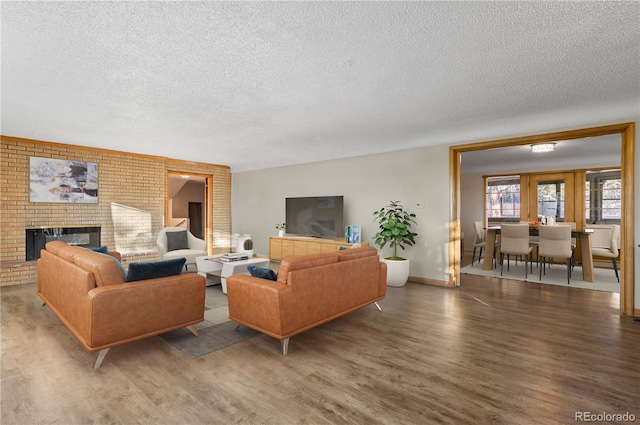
(489, 352)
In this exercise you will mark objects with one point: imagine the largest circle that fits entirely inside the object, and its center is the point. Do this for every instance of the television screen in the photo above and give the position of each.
(319, 216)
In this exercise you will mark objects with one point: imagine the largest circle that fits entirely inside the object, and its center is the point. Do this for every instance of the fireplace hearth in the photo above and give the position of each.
(36, 238)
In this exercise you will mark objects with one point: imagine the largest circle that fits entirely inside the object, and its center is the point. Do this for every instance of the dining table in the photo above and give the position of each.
(584, 236)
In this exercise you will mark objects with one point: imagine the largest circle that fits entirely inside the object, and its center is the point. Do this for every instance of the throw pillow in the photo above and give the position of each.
(177, 240)
(101, 249)
(155, 269)
(262, 273)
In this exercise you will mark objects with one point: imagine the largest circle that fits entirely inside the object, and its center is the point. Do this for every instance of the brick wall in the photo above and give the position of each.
(131, 204)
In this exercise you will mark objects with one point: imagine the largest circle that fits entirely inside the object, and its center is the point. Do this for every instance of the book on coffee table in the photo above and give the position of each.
(234, 257)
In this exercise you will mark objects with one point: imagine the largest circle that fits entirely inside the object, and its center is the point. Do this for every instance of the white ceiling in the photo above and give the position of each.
(262, 84)
(591, 152)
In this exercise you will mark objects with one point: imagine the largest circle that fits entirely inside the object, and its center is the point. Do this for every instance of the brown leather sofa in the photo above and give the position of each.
(310, 290)
(88, 293)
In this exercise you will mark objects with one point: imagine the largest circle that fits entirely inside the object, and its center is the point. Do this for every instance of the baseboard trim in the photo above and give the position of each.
(427, 281)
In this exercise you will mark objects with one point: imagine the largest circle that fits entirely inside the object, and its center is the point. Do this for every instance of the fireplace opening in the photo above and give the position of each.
(36, 239)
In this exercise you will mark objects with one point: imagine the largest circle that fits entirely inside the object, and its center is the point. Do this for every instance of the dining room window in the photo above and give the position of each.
(503, 199)
(551, 199)
(603, 197)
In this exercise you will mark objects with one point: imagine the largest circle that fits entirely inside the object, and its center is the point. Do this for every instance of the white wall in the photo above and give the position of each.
(367, 183)
(190, 192)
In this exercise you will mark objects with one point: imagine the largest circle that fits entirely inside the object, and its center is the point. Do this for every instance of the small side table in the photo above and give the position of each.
(214, 266)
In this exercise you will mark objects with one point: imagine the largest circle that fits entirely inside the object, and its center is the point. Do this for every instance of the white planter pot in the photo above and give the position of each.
(281, 233)
(397, 272)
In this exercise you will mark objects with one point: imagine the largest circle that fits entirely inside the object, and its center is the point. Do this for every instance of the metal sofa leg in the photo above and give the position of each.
(377, 305)
(285, 346)
(100, 358)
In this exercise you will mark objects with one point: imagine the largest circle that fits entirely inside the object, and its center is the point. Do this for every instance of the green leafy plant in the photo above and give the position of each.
(395, 228)
(281, 226)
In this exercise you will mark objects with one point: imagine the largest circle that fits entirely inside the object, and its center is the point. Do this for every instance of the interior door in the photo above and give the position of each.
(195, 219)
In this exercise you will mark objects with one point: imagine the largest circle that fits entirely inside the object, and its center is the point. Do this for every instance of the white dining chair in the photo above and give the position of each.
(555, 242)
(533, 241)
(478, 241)
(514, 240)
(612, 251)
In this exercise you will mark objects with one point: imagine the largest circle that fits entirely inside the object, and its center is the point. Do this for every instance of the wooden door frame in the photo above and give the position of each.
(627, 135)
(569, 198)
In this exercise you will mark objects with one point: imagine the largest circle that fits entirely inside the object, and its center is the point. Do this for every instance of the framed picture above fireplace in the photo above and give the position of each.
(60, 180)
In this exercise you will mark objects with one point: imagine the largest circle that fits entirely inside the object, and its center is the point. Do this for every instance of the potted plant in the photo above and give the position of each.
(248, 247)
(281, 228)
(395, 230)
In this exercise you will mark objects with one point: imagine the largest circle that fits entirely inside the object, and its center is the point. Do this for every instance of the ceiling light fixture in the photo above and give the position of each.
(543, 147)
(184, 176)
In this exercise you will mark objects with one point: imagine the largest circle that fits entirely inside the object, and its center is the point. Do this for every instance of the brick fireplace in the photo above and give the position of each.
(130, 212)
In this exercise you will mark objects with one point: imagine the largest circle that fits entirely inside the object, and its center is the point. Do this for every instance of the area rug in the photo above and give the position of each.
(605, 279)
(211, 338)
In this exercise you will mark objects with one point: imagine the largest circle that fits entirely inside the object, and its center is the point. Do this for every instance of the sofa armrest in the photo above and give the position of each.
(130, 311)
(196, 243)
(383, 279)
(255, 302)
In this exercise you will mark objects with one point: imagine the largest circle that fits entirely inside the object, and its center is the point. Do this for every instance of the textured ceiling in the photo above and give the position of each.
(590, 152)
(261, 84)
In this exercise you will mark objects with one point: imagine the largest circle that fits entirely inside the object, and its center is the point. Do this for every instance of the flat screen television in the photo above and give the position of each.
(317, 216)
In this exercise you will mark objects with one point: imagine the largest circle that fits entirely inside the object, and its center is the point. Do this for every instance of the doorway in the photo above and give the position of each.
(188, 203)
(627, 135)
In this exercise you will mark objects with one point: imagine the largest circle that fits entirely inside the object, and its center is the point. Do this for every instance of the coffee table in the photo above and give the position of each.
(212, 265)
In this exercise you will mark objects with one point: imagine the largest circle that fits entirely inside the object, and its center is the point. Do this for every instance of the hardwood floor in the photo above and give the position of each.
(490, 351)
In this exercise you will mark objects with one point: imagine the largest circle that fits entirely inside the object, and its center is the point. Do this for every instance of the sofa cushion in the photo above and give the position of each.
(67, 252)
(155, 269)
(352, 254)
(114, 255)
(262, 272)
(296, 263)
(117, 263)
(54, 247)
(177, 240)
(106, 269)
